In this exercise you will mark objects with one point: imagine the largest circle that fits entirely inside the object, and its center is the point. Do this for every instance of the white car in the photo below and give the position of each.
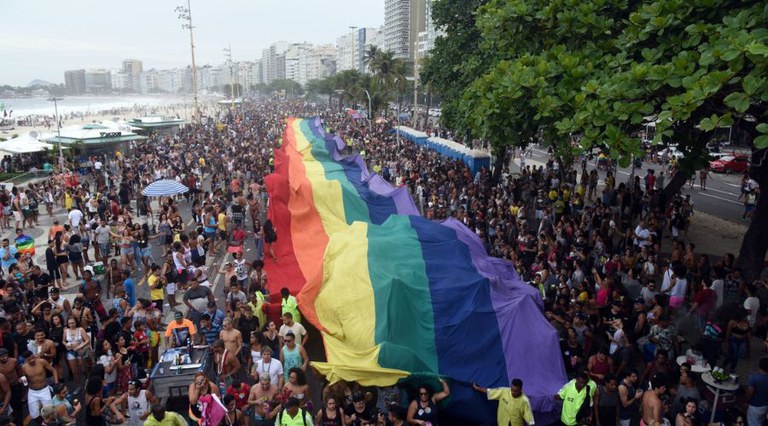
(670, 153)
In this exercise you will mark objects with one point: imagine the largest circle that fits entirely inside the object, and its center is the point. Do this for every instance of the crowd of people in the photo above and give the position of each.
(621, 282)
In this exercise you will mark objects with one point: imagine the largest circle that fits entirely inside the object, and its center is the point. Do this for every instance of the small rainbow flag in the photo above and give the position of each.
(25, 244)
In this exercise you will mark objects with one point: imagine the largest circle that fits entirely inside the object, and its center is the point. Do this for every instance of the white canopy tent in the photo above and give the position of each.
(25, 145)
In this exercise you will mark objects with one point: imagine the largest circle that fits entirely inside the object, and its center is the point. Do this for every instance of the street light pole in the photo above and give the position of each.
(228, 52)
(185, 14)
(370, 113)
(55, 101)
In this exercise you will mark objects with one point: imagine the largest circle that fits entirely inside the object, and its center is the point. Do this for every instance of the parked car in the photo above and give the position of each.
(730, 164)
(670, 152)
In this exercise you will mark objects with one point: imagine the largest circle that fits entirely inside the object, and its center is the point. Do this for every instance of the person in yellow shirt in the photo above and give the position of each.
(514, 406)
(289, 303)
(156, 293)
(160, 417)
(574, 394)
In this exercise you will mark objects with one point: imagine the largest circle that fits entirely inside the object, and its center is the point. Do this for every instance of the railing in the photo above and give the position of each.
(27, 177)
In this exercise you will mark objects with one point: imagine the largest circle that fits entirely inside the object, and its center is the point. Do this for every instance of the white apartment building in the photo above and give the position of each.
(432, 31)
(346, 56)
(122, 82)
(396, 27)
(273, 61)
(315, 63)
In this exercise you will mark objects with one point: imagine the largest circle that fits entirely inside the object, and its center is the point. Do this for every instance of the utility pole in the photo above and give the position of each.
(228, 54)
(55, 101)
(185, 14)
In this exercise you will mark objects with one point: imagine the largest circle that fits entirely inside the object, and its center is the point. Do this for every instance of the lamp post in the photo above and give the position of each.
(55, 101)
(228, 54)
(185, 14)
(370, 113)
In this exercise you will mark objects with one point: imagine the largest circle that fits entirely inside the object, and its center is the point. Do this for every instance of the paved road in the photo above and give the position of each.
(720, 199)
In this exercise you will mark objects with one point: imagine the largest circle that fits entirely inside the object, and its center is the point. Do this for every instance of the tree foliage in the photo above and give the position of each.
(456, 59)
(601, 69)
(284, 85)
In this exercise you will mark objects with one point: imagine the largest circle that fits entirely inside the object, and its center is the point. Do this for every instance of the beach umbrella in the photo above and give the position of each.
(164, 188)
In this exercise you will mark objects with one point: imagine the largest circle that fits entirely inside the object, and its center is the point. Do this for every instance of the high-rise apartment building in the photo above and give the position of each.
(74, 81)
(98, 81)
(346, 56)
(432, 32)
(133, 67)
(273, 61)
(417, 19)
(397, 15)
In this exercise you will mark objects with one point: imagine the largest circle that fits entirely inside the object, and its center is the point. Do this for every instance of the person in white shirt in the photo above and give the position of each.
(75, 216)
(269, 365)
(751, 304)
(642, 235)
(717, 286)
(289, 325)
(677, 286)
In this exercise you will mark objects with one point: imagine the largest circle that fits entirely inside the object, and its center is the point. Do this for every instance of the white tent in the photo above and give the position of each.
(24, 145)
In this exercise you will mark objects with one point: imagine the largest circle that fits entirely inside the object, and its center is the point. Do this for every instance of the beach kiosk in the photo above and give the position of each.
(96, 138)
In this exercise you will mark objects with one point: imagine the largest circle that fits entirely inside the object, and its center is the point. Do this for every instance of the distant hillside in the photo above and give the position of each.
(42, 83)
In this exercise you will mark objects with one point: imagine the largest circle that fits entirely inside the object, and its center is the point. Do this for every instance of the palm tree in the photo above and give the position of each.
(370, 55)
(383, 66)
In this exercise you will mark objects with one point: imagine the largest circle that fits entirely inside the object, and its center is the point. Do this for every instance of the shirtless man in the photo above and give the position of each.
(5, 394)
(39, 393)
(226, 362)
(114, 277)
(91, 291)
(653, 408)
(82, 314)
(233, 339)
(9, 368)
(261, 397)
(46, 349)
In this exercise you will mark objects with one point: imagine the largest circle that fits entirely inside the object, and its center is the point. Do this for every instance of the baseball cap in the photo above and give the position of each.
(292, 402)
(178, 315)
(211, 304)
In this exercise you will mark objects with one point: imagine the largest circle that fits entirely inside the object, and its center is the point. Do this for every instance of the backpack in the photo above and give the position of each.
(303, 416)
(585, 411)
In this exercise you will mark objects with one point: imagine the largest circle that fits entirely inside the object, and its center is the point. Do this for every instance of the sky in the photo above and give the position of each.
(41, 39)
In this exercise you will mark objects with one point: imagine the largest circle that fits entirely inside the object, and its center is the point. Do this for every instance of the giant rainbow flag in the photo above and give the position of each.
(398, 297)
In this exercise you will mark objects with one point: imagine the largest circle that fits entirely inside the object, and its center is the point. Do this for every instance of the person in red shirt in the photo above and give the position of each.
(141, 340)
(704, 302)
(240, 392)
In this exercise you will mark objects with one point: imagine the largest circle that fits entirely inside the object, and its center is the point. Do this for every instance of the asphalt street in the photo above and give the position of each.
(720, 199)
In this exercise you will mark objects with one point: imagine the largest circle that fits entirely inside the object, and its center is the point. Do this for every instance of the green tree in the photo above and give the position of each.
(287, 86)
(371, 54)
(456, 59)
(601, 68)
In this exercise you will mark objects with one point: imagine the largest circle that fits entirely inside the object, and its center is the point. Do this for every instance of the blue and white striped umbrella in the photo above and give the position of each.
(163, 188)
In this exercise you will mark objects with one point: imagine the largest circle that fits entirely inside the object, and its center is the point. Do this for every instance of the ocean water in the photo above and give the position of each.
(87, 104)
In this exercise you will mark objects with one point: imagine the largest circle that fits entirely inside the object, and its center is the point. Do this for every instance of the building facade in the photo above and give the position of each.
(74, 81)
(98, 81)
(397, 15)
